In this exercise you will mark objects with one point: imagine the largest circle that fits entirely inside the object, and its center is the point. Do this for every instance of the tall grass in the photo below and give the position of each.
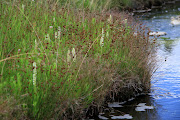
(92, 5)
(97, 5)
(56, 62)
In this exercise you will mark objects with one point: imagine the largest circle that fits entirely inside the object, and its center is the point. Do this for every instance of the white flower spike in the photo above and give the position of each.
(23, 6)
(74, 54)
(68, 56)
(102, 38)
(107, 34)
(56, 35)
(35, 44)
(125, 21)
(34, 73)
(110, 20)
(54, 19)
(59, 32)
(47, 37)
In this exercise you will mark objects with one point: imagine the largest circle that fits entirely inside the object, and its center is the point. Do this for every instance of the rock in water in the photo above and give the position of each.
(175, 21)
(157, 33)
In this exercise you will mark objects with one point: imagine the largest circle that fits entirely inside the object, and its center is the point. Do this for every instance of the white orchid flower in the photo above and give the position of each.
(102, 38)
(68, 56)
(34, 73)
(74, 54)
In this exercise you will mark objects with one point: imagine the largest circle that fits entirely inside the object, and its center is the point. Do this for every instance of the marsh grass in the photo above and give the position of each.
(53, 63)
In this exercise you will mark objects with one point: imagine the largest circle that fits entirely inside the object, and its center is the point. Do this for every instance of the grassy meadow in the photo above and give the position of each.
(57, 60)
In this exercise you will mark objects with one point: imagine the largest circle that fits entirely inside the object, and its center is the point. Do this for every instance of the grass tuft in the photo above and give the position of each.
(56, 61)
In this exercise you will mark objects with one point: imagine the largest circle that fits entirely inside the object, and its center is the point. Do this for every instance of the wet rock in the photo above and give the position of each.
(157, 33)
(126, 116)
(143, 107)
(114, 104)
(142, 11)
(170, 2)
(156, 7)
(102, 117)
(175, 20)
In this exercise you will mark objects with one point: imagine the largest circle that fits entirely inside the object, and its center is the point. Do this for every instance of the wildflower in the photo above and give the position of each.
(102, 38)
(54, 19)
(135, 34)
(74, 54)
(68, 56)
(92, 1)
(107, 34)
(50, 26)
(23, 7)
(19, 50)
(59, 32)
(47, 37)
(34, 73)
(35, 44)
(56, 35)
(125, 21)
(110, 20)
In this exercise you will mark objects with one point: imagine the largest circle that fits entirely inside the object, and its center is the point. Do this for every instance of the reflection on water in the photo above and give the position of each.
(168, 81)
(167, 44)
(164, 100)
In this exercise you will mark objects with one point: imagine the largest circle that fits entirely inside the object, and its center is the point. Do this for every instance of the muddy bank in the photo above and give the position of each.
(119, 94)
(164, 95)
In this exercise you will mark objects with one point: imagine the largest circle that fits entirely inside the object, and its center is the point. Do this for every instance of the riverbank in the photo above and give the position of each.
(139, 4)
(58, 62)
(165, 83)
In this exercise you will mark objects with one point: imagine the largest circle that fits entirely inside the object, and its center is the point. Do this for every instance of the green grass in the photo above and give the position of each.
(97, 5)
(56, 62)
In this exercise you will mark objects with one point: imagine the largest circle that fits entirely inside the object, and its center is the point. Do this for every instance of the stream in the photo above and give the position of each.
(163, 103)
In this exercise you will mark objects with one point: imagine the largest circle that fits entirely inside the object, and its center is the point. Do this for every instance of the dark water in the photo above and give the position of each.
(163, 103)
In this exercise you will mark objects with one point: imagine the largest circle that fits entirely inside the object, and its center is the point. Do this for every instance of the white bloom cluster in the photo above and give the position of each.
(74, 54)
(23, 6)
(35, 45)
(59, 32)
(56, 35)
(47, 37)
(34, 73)
(69, 55)
(54, 19)
(110, 20)
(102, 38)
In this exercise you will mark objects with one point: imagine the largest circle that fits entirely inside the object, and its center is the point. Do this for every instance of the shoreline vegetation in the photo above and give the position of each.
(58, 61)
